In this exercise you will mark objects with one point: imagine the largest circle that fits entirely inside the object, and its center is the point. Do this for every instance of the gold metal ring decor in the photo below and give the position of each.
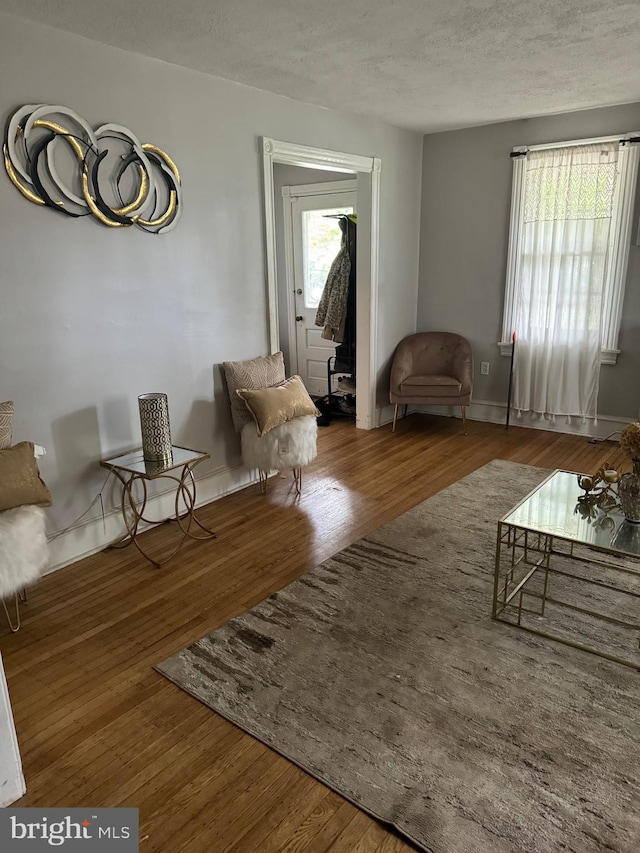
(142, 172)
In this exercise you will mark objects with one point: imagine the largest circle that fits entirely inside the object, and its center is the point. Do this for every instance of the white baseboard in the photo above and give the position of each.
(601, 427)
(94, 535)
(496, 413)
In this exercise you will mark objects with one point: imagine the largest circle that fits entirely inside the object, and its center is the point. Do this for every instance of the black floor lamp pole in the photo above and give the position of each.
(513, 353)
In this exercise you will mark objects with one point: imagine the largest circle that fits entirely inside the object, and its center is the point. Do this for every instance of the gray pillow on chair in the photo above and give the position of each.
(6, 416)
(262, 372)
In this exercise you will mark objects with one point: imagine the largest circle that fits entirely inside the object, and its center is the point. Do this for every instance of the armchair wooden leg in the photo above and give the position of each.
(464, 419)
(395, 417)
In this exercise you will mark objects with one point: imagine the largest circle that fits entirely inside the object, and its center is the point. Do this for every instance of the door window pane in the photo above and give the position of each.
(321, 239)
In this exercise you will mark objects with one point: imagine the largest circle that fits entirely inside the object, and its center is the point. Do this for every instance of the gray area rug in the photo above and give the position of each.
(381, 673)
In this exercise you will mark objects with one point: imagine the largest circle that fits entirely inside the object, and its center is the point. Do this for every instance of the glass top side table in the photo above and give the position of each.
(132, 468)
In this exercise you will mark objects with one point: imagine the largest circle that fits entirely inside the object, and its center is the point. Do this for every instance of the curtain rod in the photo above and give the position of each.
(577, 144)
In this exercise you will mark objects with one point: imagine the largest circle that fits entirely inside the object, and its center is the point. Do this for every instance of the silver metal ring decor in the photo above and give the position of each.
(36, 133)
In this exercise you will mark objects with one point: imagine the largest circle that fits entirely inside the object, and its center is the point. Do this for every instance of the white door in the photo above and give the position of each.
(316, 240)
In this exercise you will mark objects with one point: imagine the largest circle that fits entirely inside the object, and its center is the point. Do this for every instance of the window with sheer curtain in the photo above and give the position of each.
(568, 249)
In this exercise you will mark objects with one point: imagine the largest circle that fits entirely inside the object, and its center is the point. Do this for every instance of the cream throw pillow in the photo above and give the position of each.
(6, 417)
(20, 481)
(271, 407)
(254, 373)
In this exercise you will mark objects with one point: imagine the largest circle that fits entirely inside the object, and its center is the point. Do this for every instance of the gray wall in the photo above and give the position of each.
(466, 199)
(92, 317)
(284, 176)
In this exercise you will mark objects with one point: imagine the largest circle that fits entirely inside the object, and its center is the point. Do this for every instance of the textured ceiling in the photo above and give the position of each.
(428, 65)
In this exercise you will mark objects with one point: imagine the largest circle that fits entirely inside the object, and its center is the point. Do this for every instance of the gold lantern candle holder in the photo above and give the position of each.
(155, 427)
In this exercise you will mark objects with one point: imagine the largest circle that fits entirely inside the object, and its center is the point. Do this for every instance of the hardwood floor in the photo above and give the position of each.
(99, 727)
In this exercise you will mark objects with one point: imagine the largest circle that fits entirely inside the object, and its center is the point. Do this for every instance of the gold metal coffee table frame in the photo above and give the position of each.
(526, 550)
(134, 471)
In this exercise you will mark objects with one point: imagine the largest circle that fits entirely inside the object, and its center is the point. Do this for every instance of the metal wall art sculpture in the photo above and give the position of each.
(141, 171)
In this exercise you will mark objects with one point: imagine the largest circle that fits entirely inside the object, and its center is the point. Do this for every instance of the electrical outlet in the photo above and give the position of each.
(484, 368)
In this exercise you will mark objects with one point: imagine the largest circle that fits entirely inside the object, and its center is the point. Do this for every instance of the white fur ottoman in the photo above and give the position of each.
(290, 445)
(23, 553)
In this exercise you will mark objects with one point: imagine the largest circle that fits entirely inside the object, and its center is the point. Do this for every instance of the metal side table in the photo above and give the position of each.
(132, 468)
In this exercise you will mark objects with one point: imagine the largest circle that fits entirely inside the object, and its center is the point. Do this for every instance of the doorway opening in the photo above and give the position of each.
(316, 290)
(367, 174)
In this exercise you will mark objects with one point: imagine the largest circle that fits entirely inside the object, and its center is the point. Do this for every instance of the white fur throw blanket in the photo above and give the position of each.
(290, 445)
(23, 548)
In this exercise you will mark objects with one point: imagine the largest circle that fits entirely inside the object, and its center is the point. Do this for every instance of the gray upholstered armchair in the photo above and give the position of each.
(432, 368)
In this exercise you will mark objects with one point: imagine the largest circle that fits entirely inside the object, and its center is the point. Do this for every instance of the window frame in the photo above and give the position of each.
(621, 226)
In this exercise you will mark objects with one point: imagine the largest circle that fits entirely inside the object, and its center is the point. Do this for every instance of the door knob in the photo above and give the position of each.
(299, 291)
(299, 317)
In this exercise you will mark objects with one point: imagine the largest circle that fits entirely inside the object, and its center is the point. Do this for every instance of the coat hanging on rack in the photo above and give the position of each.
(346, 351)
(332, 308)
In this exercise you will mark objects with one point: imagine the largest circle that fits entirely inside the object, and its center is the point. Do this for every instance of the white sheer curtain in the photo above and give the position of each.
(560, 276)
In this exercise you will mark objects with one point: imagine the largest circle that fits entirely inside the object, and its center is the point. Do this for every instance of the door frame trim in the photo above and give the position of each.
(289, 153)
(290, 194)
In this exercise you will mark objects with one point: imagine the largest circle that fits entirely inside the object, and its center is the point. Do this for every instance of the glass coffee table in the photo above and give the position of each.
(570, 575)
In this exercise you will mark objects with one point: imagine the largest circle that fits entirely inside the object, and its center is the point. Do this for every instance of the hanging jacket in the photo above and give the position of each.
(332, 308)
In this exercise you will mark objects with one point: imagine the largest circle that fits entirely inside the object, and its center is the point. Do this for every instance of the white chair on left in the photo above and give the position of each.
(24, 550)
(275, 416)
(293, 444)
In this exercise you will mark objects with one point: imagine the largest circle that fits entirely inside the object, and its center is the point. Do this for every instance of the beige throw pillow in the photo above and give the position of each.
(20, 481)
(6, 417)
(254, 373)
(271, 407)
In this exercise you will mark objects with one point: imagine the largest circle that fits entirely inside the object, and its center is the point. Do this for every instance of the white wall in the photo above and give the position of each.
(92, 317)
(465, 224)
